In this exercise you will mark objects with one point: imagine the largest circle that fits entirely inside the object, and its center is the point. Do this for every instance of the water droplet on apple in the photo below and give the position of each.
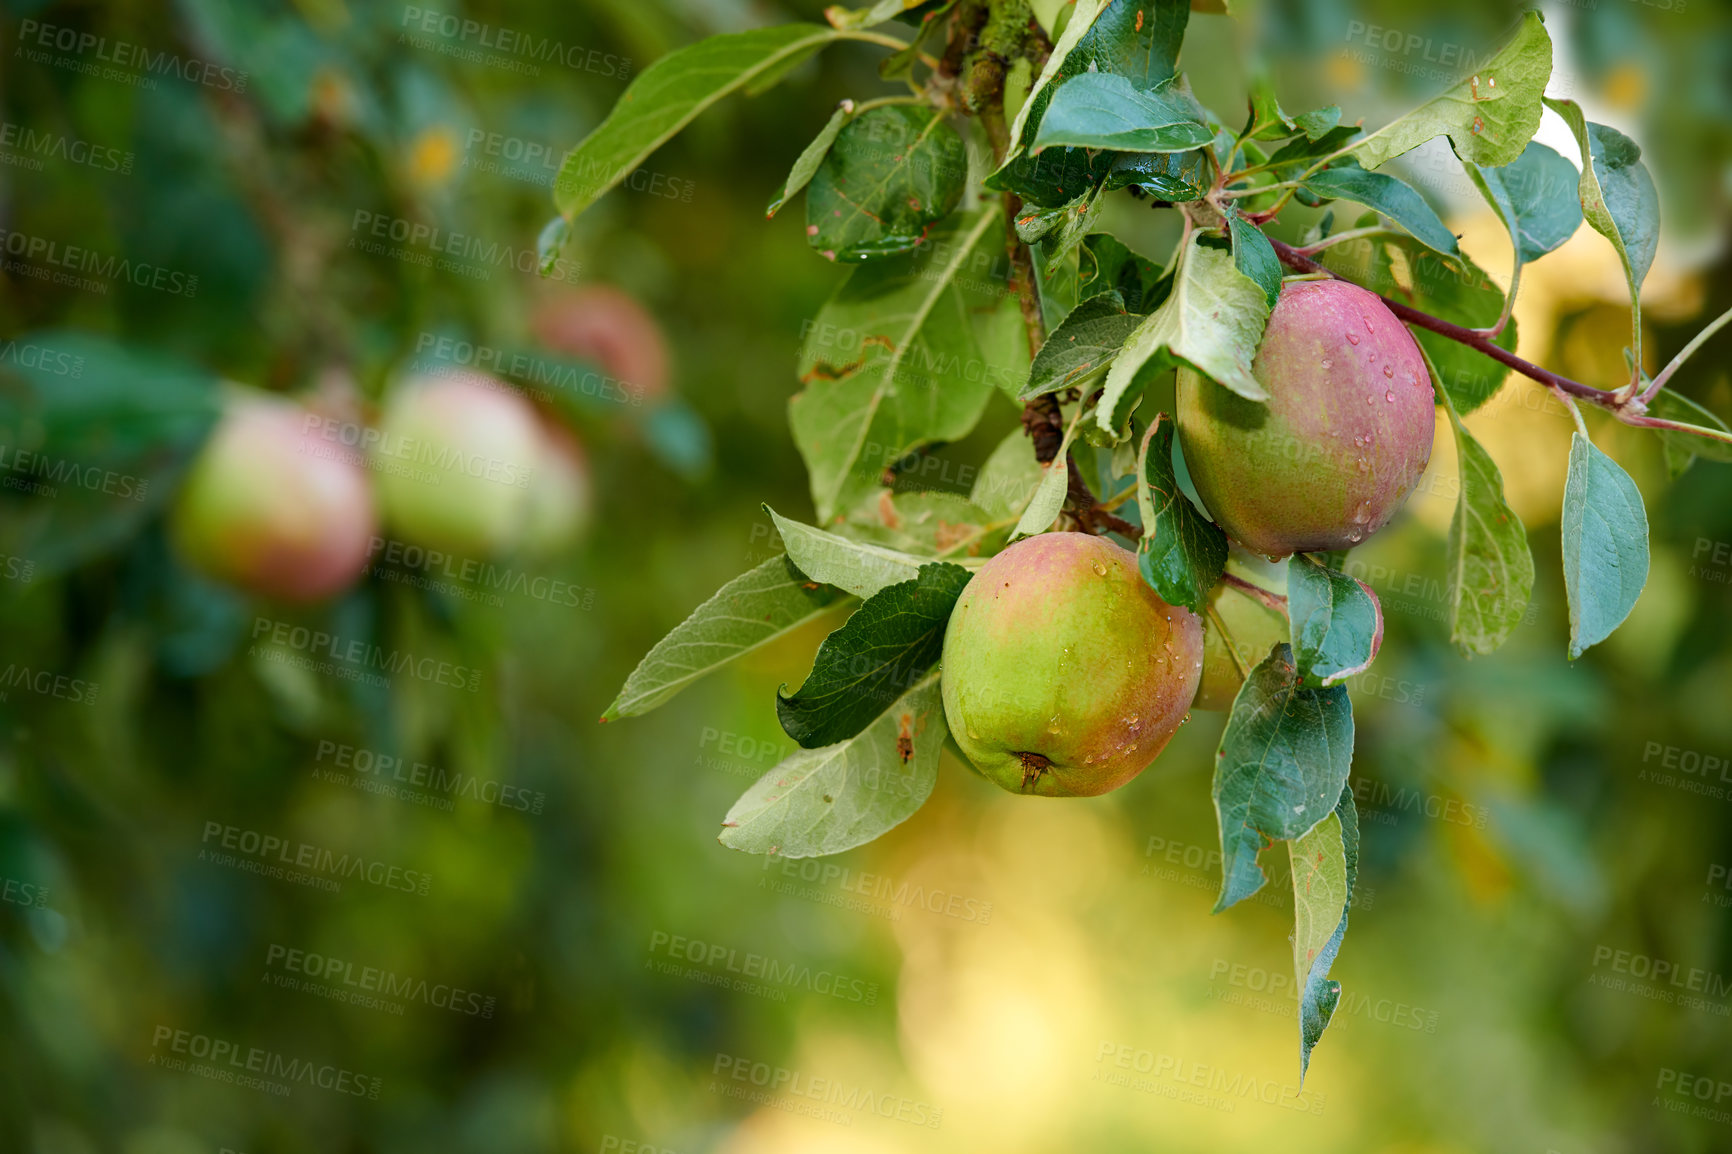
(1389, 370)
(1390, 396)
(1352, 338)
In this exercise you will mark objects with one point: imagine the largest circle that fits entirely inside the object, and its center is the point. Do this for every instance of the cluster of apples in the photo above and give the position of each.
(288, 501)
(1065, 674)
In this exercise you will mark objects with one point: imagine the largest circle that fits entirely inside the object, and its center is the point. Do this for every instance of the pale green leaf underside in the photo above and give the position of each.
(747, 613)
(1489, 116)
(824, 801)
(1491, 567)
(860, 568)
(1213, 319)
(912, 369)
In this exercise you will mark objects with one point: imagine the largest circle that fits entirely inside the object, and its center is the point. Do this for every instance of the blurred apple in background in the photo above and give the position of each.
(561, 495)
(607, 326)
(272, 507)
(457, 460)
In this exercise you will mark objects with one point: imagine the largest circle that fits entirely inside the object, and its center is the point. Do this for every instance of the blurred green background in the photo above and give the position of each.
(1539, 957)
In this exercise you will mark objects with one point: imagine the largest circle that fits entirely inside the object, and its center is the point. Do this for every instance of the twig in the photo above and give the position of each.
(1684, 354)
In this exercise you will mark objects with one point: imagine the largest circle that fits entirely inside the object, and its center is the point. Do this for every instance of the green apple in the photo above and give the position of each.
(271, 507)
(456, 458)
(1064, 673)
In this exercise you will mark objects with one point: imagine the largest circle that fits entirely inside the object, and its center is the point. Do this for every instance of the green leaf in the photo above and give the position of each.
(1213, 319)
(1108, 266)
(1531, 197)
(1605, 538)
(1618, 200)
(1455, 289)
(824, 801)
(1100, 110)
(909, 367)
(667, 96)
(887, 646)
(749, 612)
(1294, 157)
(1337, 624)
(1254, 256)
(1488, 116)
(892, 172)
(1681, 447)
(1386, 194)
(1058, 280)
(1325, 869)
(1084, 344)
(1049, 495)
(1175, 177)
(1269, 121)
(870, 16)
(1060, 230)
(1182, 553)
(929, 523)
(861, 569)
(108, 428)
(1491, 567)
(807, 162)
(1281, 766)
(1009, 478)
(1136, 39)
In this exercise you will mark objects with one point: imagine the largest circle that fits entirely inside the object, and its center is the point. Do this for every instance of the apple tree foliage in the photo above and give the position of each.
(963, 205)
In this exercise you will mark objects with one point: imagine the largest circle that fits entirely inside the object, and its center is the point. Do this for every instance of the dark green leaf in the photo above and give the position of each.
(1489, 116)
(1681, 447)
(1325, 870)
(1099, 110)
(1337, 624)
(1392, 197)
(1058, 280)
(1605, 538)
(1319, 122)
(882, 651)
(754, 609)
(1083, 344)
(1280, 769)
(1491, 567)
(824, 801)
(1617, 194)
(107, 429)
(1298, 154)
(892, 172)
(1136, 39)
(1535, 196)
(1108, 266)
(807, 162)
(1169, 176)
(1619, 202)
(1455, 289)
(1255, 257)
(1182, 553)
(667, 96)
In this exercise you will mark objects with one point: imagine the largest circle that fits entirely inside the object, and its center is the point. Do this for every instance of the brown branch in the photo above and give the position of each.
(1299, 262)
